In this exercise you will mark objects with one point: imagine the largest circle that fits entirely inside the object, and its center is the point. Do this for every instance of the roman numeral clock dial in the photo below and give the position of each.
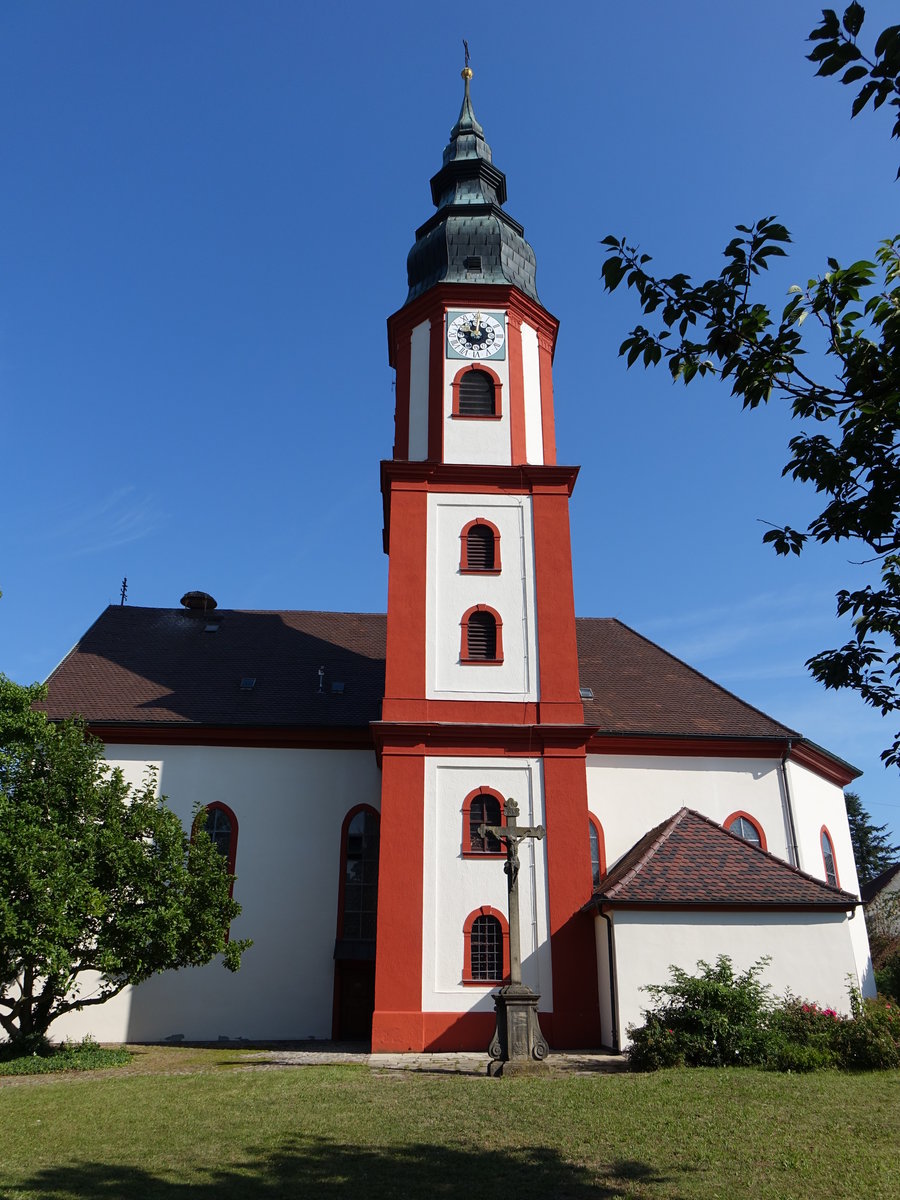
(475, 335)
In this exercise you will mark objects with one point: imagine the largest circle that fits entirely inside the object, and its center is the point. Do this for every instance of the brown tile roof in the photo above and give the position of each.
(153, 666)
(690, 861)
(639, 688)
(161, 666)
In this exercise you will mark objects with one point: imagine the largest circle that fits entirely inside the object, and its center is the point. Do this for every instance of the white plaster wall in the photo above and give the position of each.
(470, 440)
(456, 886)
(290, 805)
(450, 594)
(418, 391)
(531, 373)
(630, 795)
(816, 802)
(811, 953)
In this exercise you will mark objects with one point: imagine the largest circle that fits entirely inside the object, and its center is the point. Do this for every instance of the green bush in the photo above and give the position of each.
(86, 1055)
(887, 977)
(713, 1019)
(717, 1018)
(870, 1039)
(802, 1036)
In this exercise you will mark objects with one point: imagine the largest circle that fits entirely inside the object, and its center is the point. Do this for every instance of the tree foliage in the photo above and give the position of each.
(100, 886)
(872, 850)
(847, 447)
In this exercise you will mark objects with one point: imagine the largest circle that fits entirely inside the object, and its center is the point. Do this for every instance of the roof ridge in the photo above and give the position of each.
(656, 839)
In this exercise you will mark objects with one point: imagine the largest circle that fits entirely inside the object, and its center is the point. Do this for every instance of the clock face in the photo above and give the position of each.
(475, 335)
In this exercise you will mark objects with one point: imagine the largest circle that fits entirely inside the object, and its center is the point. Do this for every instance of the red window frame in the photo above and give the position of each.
(823, 836)
(464, 639)
(498, 395)
(601, 846)
(467, 851)
(467, 978)
(342, 878)
(231, 858)
(739, 812)
(464, 568)
(200, 824)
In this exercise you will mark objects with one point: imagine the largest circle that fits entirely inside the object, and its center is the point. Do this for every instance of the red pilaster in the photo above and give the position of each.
(548, 424)
(575, 1021)
(436, 389)
(516, 390)
(557, 647)
(397, 1023)
(405, 664)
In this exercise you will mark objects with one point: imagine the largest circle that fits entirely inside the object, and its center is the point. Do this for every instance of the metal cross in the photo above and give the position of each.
(512, 833)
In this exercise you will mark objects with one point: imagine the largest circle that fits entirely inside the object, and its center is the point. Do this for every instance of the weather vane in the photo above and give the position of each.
(466, 48)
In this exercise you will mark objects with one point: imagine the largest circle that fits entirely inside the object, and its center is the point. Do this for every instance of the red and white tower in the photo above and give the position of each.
(482, 690)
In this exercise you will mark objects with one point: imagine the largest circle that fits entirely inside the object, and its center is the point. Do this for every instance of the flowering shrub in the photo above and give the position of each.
(719, 1018)
(713, 1019)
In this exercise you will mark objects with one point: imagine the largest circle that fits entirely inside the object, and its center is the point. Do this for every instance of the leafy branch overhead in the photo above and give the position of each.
(838, 51)
(847, 446)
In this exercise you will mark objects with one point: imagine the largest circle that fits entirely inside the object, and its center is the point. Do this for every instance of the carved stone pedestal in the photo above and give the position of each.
(518, 1046)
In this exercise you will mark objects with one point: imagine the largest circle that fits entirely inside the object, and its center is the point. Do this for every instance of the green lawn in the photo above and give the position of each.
(345, 1132)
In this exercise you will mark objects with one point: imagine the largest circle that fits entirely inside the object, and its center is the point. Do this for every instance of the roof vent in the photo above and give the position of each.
(248, 683)
(472, 262)
(586, 693)
(337, 688)
(198, 601)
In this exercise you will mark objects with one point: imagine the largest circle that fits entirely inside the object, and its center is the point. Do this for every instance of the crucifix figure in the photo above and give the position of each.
(518, 1044)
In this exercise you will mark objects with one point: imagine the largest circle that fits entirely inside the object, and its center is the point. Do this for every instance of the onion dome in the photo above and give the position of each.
(470, 239)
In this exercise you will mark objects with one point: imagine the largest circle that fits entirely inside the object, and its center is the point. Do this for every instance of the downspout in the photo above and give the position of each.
(793, 848)
(613, 985)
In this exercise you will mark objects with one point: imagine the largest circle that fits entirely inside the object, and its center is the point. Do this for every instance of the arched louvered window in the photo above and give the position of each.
(481, 636)
(746, 827)
(476, 394)
(486, 936)
(480, 548)
(828, 858)
(482, 808)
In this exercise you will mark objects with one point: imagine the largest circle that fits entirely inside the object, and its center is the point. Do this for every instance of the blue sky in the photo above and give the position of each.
(204, 223)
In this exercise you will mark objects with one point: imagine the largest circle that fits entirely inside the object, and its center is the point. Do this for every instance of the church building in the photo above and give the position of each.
(348, 763)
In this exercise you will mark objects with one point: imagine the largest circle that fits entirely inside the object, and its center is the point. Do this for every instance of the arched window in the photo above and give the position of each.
(480, 548)
(481, 636)
(358, 900)
(598, 849)
(219, 823)
(744, 826)
(476, 393)
(484, 806)
(486, 953)
(828, 858)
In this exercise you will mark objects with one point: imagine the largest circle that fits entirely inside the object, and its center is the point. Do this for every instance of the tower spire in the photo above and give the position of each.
(470, 239)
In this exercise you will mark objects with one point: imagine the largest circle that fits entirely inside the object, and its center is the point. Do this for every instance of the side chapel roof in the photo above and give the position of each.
(689, 861)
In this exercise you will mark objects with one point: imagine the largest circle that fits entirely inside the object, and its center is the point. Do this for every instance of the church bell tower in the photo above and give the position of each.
(482, 694)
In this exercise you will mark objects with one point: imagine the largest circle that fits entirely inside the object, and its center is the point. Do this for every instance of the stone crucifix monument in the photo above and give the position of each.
(518, 1046)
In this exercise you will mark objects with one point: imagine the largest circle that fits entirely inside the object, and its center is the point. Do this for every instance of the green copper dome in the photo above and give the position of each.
(470, 239)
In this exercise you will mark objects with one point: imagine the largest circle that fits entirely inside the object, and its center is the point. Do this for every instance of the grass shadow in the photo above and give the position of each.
(324, 1169)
